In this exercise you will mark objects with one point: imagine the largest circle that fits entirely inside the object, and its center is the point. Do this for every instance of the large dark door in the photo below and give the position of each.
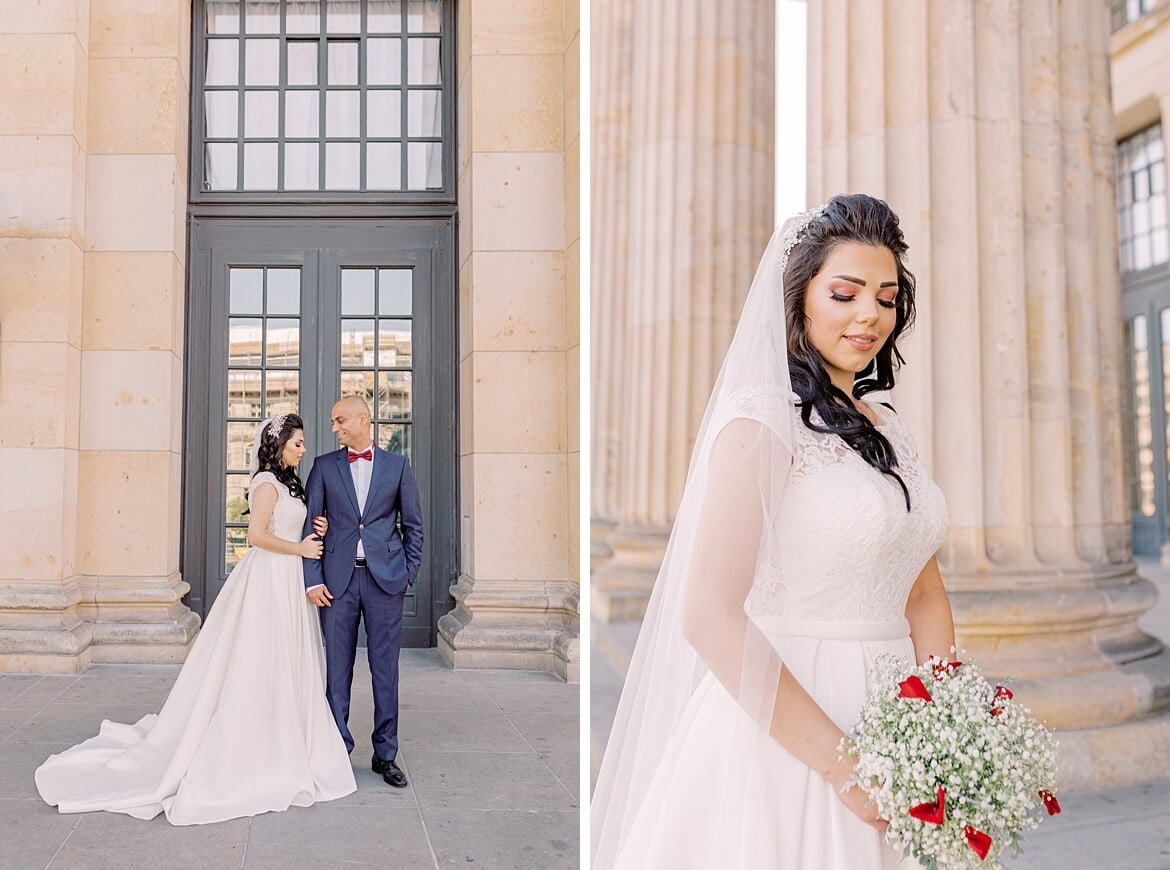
(285, 316)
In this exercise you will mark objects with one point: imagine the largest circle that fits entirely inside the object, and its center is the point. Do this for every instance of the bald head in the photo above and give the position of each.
(351, 422)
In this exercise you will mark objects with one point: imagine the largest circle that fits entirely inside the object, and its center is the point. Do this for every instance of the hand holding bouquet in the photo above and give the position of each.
(956, 766)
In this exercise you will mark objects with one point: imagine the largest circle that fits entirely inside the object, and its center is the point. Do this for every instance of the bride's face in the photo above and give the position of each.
(849, 304)
(294, 449)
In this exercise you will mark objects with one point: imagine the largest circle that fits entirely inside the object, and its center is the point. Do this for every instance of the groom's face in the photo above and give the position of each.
(352, 430)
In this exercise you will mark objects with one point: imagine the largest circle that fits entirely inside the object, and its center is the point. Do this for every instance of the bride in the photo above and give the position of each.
(803, 548)
(246, 728)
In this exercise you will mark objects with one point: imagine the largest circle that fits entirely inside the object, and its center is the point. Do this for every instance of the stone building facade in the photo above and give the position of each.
(217, 211)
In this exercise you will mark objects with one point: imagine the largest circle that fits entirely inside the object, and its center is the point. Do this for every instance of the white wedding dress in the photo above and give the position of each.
(246, 728)
(830, 599)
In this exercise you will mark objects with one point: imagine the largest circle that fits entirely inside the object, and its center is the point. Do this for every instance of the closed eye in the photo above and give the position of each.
(841, 297)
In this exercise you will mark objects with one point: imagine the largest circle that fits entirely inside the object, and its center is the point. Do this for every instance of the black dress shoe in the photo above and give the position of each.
(390, 771)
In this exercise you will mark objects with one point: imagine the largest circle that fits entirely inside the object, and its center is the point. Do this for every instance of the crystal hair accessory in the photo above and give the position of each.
(795, 232)
(272, 432)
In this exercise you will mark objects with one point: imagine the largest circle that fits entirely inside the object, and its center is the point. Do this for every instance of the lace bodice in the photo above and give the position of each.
(846, 548)
(288, 518)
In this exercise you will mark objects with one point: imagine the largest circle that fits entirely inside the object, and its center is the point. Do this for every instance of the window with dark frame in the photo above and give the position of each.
(1141, 201)
(1127, 11)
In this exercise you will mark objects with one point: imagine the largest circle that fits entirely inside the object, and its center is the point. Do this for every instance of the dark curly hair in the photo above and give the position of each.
(868, 221)
(272, 446)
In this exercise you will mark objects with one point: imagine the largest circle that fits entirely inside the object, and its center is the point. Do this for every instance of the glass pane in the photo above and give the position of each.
(284, 291)
(384, 113)
(262, 61)
(302, 63)
(341, 166)
(1161, 247)
(244, 342)
(301, 166)
(343, 63)
(219, 169)
(384, 166)
(357, 342)
(1143, 493)
(236, 545)
(343, 16)
(394, 437)
(1158, 178)
(223, 61)
(283, 343)
(260, 166)
(423, 114)
(342, 114)
(303, 17)
(223, 17)
(383, 61)
(424, 167)
(237, 492)
(422, 66)
(394, 396)
(1158, 210)
(358, 384)
(261, 16)
(1143, 254)
(260, 114)
(394, 289)
(357, 291)
(422, 16)
(301, 118)
(243, 395)
(394, 343)
(245, 291)
(222, 108)
(384, 16)
(239, 446)
(283, 392)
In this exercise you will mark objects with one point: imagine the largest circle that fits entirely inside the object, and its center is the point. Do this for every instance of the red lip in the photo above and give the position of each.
(866, 336)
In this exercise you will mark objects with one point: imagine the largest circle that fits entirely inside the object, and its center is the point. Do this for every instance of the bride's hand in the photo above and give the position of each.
(310, 547)
(854, 798)
(320, 526)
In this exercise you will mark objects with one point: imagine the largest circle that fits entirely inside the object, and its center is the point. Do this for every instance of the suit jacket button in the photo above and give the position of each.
(361, 525)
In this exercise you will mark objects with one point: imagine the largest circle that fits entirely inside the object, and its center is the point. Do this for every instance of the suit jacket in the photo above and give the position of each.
(392, 558)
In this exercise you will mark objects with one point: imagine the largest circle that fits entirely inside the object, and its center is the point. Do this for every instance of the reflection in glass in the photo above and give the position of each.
(357, 342)
(1143, 483)
(261, 61)
(422, 67)
(383, 61)
(343, 63)
(394, 343)
(301, 118)
(302, 62)
(236, 545)
(342, 114)
(261, 114)
(384, 113)
(343, 16)
(243, 393)
(357, 291)
(283, 343)
(394, 437)
(423, 115)
(303, 17)
(239, 445)
(237, 494)
(244, 341)
(222, 118)
(424, 166)
(384, 16)
(394, 291)
(284, 291)
(260, 166)
(282, 392)
(219, 169)
(394, 396)
(301, 167)
(384, 166)
(341, 165)
(422, 16)
(223, 62)
(262, 17)
(223, 17)
(245, 291)
(358, 384)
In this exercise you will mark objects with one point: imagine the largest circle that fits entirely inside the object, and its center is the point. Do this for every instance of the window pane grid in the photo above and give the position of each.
(363, 36)
(1141, 201)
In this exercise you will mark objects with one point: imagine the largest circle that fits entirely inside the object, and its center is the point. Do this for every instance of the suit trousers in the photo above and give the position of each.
(382, 612)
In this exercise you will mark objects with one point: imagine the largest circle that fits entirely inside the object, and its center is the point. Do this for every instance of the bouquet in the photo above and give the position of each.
(956, 766)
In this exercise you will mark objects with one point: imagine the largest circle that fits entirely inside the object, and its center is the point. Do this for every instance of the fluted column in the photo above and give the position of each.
(698, 194)
(987, 127)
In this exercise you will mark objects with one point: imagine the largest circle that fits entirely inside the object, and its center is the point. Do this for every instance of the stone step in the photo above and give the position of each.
(618, 605)
(615, 641)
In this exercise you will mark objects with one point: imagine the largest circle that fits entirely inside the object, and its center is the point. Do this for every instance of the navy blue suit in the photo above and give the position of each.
(377, 591)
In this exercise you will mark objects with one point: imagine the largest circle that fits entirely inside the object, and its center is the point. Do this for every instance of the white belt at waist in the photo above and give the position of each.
(827, 629)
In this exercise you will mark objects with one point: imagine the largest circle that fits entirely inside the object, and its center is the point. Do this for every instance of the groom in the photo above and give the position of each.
(373, 551)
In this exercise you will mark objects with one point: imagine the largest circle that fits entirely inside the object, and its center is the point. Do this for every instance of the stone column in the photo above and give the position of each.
(698, 193)
(518, 591)
(987, 127)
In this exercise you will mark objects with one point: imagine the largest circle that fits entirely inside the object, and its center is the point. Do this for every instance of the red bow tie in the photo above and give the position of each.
(368, 455)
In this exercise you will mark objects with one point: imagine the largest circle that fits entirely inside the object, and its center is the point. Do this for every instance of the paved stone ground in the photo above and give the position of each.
(492, 758)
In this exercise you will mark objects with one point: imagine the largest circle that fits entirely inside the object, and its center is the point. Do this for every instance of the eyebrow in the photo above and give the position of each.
(861, 283)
